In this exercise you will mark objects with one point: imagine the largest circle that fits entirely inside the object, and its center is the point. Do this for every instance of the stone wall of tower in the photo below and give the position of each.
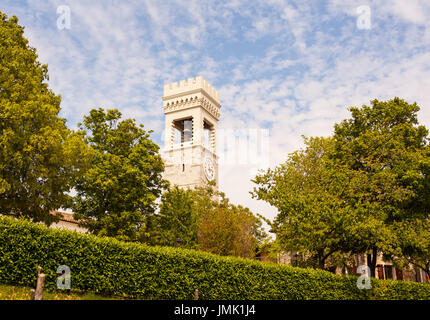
(197, 100)
(188, 173)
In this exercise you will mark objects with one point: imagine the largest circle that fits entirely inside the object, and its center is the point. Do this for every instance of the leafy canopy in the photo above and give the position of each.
(385, 143)
(39, 157)
(312, 194)
(118, 192)
(204, 219)
(350, 192)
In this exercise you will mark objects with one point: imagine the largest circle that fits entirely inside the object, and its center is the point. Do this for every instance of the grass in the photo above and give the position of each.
(16, 292)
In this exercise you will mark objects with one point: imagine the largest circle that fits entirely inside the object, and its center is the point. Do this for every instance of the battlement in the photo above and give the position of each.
(192, 84)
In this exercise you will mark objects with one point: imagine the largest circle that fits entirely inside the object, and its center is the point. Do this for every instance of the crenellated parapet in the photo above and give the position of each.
(189, 94)
(175, 88)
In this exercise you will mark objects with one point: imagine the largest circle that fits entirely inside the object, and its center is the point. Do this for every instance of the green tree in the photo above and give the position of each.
(385, 144)
(176, 222)
(412, 244)
(345, 193)
(204, 219)
(312, 194)
(118, 192)
(39, 156)
(230, 230)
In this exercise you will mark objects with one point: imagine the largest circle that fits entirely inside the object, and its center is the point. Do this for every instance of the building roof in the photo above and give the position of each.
(65, 216)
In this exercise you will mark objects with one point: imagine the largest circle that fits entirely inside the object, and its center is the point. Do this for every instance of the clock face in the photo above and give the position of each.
(209, 169)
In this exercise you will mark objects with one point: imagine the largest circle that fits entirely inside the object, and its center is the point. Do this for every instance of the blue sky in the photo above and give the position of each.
(292, 67)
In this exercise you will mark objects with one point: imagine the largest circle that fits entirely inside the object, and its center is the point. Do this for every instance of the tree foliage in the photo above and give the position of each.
(230, 230)
(411, 244)
(385, 144)
(39, 157)
(176, 222)
(312, 194)
(117, 193)
(204, 219)
(348, 193)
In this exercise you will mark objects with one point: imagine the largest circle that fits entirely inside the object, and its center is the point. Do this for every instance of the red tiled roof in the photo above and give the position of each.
(65, 216)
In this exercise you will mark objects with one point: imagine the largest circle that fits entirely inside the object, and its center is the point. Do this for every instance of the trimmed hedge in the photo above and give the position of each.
(109, 266)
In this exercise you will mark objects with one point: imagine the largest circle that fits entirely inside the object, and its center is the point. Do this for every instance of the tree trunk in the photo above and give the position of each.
(371, 261)
(321, 259)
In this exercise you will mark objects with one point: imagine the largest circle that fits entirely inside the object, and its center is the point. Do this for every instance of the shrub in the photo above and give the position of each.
(109, 266)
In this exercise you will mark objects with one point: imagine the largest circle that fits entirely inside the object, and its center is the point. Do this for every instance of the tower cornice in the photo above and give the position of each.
(200, 90)
(198, 98)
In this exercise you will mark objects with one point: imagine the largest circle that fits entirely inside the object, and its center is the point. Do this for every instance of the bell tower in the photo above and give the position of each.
(192, 110)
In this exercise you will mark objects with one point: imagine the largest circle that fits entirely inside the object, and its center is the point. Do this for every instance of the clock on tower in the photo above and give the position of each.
(192, 110)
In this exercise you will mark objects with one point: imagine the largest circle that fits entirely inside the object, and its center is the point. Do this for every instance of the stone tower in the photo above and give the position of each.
(192, 110)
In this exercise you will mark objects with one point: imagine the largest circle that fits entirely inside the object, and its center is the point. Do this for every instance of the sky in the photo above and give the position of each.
(283, 68)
